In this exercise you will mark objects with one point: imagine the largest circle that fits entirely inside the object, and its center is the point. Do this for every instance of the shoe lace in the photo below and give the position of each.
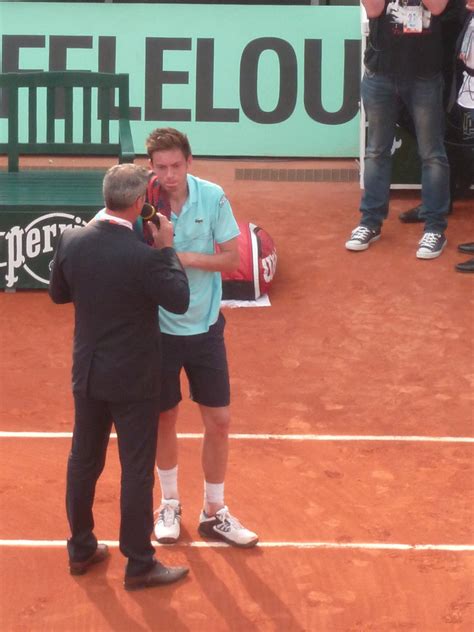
(167, 515)
(226, 516)
(361, 232)
(429, 239)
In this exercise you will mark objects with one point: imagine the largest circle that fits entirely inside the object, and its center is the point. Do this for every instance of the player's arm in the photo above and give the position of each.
(373, 8)
(226, 260)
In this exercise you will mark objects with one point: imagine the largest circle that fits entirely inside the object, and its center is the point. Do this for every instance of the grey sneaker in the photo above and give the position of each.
(223, 526)
(431, 245)
(362, 237)
(168, 522)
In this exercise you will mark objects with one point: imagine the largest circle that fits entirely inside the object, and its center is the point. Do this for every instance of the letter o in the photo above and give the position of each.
(249, 80)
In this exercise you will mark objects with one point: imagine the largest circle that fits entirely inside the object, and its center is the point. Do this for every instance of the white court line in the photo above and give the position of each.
(266, 437)
(378, 546)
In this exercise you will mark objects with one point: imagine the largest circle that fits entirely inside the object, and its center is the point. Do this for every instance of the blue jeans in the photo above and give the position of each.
(382, 96)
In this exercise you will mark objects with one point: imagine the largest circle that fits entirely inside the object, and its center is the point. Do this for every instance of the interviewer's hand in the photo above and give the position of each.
(162, 237)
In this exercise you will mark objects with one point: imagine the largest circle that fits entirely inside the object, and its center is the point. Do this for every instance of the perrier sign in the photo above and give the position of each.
(27, 245)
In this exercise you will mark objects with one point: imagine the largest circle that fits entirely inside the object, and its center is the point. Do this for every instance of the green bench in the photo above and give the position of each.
(69, 113)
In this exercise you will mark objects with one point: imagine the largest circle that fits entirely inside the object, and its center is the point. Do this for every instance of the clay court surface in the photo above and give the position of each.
(365, 524)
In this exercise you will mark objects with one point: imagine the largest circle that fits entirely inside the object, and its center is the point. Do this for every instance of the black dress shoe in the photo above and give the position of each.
(466, 266)
(100, 554)
(413, 216)
(469, 248)
(156, 576)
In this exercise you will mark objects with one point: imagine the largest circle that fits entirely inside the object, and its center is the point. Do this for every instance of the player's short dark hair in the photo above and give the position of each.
(164, 138)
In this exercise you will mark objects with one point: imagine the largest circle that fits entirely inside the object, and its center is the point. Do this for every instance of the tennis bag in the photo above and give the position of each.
(258, 260)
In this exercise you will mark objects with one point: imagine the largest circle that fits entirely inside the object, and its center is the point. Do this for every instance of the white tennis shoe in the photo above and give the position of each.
(224, 526)
(168, 521)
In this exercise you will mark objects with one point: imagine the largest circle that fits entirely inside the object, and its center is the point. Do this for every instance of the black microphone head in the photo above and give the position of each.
(149, 214)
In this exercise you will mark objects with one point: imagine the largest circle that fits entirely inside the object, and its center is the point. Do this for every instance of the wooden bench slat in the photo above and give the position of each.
(50, 111)
(32, 115)
(67, 149)
(104, 113)
(69, 115)
(13, 131)
(87, 120)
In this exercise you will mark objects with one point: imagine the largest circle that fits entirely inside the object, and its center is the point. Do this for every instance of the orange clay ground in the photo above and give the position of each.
(376, 343)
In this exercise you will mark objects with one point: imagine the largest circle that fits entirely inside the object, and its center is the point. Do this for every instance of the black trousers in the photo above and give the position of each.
(136, 424)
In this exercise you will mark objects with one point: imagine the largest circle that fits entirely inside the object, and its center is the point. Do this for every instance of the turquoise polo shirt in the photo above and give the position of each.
(206, 219)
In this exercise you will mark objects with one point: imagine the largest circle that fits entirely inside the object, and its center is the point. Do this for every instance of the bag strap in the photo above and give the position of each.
(156, 196)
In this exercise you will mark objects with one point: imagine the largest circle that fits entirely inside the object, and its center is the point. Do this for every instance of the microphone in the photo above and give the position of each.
(150, 214)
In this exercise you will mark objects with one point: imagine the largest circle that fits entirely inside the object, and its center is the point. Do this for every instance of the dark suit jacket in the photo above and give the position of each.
(116, 283)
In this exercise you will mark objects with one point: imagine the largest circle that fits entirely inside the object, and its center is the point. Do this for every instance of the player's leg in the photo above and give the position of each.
(168, 514)
(208, 375)
(215, 450)
(216, 522)
(167, 446)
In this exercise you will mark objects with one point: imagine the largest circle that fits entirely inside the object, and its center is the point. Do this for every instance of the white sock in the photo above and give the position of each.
(213, 493)
(169, 483)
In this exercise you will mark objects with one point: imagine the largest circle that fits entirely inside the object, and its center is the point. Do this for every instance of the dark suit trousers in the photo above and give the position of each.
(136, 424)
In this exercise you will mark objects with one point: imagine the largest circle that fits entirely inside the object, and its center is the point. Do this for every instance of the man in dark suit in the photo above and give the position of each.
(116, 283)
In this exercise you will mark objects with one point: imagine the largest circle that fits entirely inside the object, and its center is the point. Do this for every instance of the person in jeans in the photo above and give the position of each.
(465, 100)
(403, 64)
(459, 138)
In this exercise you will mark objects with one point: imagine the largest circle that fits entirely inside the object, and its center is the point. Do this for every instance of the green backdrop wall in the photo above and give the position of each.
(239, 80)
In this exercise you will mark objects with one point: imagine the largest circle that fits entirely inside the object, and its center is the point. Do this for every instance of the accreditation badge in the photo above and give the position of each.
(413, 20)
